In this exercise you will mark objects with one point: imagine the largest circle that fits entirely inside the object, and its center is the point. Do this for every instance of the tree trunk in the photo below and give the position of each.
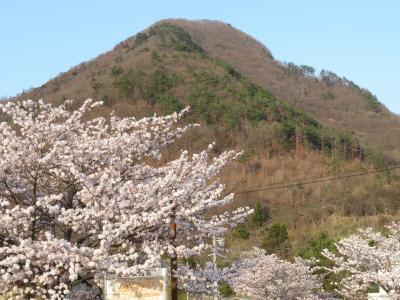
(174, 260)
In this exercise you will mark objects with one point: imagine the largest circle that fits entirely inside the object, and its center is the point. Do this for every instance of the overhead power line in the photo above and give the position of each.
(308, 178)
(296, 183)
(323, 202)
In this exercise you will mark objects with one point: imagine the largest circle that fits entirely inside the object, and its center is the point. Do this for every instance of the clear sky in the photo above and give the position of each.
(359, 39)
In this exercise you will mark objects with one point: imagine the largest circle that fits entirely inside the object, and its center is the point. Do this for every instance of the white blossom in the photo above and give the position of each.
(81, 198)
(270, 277)
(366, 259)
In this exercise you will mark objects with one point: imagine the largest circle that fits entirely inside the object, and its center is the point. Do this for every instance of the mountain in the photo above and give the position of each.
(336, 101)
(289, 122)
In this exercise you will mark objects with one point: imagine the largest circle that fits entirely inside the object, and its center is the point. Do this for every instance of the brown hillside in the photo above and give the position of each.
(336, 103)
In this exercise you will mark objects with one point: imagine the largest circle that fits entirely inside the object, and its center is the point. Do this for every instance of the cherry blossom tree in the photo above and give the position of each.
(199, 280)
(80, 198)
(202, 279)
(368, 259)
(270, 277)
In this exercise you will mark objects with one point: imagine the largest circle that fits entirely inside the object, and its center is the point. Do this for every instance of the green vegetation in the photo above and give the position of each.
(372, 101)
(246, 102)
(128, 82)
(96, 86)
(155, 89)
(182, 295)
(293, 70)
(329, 95)
(170, 103)
(277, 240)
(173, 36)
(260, 215)
(156, 58)
(190, 261)
(313, 250)
(106, 100)
(225, 290)
(116, 71)
(242, 232)
(229, 70)
(246, 155)
(159, 83)
(250, 102)
(222, 97)
(315, 246)
(209, 107)
(141, 38)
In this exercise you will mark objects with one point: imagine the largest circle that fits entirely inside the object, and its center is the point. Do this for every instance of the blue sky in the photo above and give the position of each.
(354, 38)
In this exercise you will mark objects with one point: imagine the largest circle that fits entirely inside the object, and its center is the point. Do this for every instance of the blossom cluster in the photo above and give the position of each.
(81, 197)
(368, 259)
(270, 277)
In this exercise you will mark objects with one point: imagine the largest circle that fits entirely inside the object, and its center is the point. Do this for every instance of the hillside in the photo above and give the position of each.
(289, 123)
(335, 101)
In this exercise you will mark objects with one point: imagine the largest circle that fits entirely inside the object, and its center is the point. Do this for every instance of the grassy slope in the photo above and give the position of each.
(165, 69)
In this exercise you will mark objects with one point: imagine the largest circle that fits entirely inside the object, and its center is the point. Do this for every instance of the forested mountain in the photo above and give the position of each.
(289, 122)
(334, 100)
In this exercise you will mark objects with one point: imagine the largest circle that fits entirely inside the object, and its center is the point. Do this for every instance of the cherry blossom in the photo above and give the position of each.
(80, 198)
(270, 277)
(368, 259)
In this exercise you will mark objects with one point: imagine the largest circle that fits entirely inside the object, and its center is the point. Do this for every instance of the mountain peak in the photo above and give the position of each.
(179, 46)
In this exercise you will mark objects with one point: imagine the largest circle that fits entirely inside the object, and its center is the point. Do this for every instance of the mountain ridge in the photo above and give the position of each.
(335, 101)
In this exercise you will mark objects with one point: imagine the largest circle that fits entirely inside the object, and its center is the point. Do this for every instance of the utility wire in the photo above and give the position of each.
(308, 178)
(320, 203)
(318, 180)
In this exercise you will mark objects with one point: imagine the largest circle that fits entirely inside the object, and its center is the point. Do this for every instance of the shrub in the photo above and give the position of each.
(287, 133)
(246, 155)
(242, 232)
(233, 72)
(155, 57)
(159, 84)
(329, 95)
(116, 71)
(141, 38)
(231, 119)
(329, 77)
(277, 240)
(175, 37)
(313, 249)
(127, 83)
(260, 215)
(372, 102)
(225, 290)
(316, 245)
(208, 106)
(170, 103)
(312, 137)
(293, 70)
(106, 100)
(257, 110)
(96, 86)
